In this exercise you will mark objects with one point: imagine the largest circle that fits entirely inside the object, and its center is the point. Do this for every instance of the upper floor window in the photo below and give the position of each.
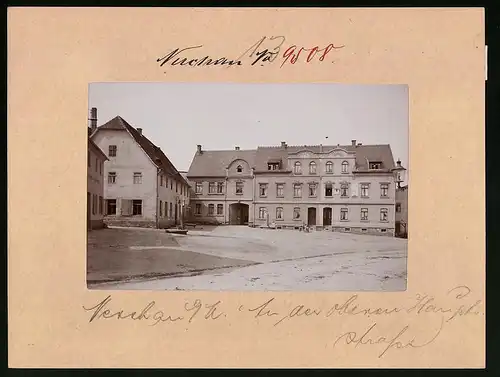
(398, 207)
(345, 165)
(365, 190)
(344, 190)
(176, 186)
(263, 189)
(212, 188)
(220, 187)
(384, 190)
(96, 164)
(297, 190)
(171, 184)
(297, 168)
(384, 214)
(328, 190)
(112, 151)
(273, 166)
(111, 177)
(280, 190)
(312, 168)
(312, 189)
(100, 168)
(161, 180)
(329, 167)
(375, 165)
(137, 178)
(239, 169)
(239, 188)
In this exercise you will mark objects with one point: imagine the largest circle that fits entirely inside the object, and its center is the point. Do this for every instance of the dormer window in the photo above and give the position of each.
(273, 166)
(376, 165)
(239, 169)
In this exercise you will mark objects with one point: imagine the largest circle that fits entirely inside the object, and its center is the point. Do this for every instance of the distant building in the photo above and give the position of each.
(142, 188)
(95, 185)
(338, 188)
(402, 211)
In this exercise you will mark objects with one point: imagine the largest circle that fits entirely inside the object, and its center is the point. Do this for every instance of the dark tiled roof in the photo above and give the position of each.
(155, 153)
(214, 163)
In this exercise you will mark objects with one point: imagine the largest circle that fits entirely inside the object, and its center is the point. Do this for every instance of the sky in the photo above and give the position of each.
(179, 116)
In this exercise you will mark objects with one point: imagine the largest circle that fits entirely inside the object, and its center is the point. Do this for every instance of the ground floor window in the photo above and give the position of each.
(170, 208)
(343, 214)
(161, 208)
(262, 212)
(279, 213)
(100, 205)
(364, 214)
(210, 209)
(94, 204)
(111, 206)
(197, 209)
(137, 207)
(383, 214)
(220, 209)
(296, 213)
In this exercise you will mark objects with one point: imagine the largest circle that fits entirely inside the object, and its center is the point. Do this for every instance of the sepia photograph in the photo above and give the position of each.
(247, 187)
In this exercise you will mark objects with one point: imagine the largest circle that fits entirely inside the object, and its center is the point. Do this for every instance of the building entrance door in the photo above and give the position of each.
(327, 216)
(311, 216)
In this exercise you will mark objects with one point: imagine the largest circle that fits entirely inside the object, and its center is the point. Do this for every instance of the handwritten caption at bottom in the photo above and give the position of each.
(461, 305)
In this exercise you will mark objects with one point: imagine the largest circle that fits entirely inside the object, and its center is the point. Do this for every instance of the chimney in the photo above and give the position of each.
(353, 142)
(360, 144)
(283, 144)
(139, 130)
(93, 119)
(398, 163)
(236, 148)
(321, 148)
(199, 148)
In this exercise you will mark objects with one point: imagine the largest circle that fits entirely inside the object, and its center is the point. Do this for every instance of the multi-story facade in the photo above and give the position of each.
(338, 188)
(95, 186)
(142, 187)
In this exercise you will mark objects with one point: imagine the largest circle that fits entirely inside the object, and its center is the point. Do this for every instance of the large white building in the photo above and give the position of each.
(349, 188)
(142, 187)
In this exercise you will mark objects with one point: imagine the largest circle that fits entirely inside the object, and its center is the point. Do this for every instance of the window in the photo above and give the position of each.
(312, 189)
(220, 209)
(328, 190)
(111, 206)
(197, 209)
(273, 166)
(312, 168)
(220, 187)
(296, 213)
(297, 190)
(383, 214)
(94, 204)
(112, 151)
(212, 188)
(344, 190)
(199, 187)
(375, 165)
(398, 207)
(364, 214)
(96, 164)
(280, 190)
(170, 207)
(100, 168)
(364, 190)
(343, 214)
(88, 159)
(279, 213)
(176, 186)
(100, 205)
(161, 208)
(239, 188)
(345, 164)
(137, 207)
(239, 169)
(384, 190)
(111, 177)
(297, 168)
(161, 180)
(171, 184)
(137, 178)
(211, 209)
(262, 213)
(263, 189)
(329, 167)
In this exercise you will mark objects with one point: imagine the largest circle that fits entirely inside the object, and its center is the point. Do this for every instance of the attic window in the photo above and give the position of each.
(239, 169)
(376, 165)
(273, 166)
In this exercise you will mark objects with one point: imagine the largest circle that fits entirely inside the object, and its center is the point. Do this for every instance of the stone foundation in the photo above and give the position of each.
(128, 222)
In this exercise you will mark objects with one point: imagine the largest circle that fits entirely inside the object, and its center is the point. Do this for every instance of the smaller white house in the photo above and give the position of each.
(95, 186)
(142, 187)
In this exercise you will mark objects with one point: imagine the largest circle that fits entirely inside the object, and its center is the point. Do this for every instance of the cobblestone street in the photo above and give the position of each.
(242, 258)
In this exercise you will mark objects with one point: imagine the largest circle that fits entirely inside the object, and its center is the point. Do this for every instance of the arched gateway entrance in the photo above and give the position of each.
(238, 214)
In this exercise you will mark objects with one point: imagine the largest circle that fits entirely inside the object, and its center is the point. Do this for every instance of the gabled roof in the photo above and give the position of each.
(154, 153)
(213, 163)
(96, 149)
